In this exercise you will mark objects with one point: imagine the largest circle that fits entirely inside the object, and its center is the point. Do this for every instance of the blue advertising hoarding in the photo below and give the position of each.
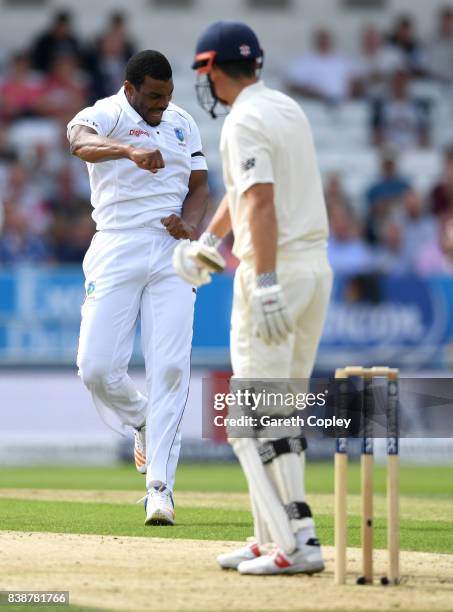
(400, 321)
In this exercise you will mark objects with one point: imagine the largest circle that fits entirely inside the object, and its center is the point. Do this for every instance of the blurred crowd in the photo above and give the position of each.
(394, 229)
(397, 231)
(45, 215)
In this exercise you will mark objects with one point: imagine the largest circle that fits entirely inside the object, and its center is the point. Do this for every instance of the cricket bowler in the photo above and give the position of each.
(274, 205)
(148, 178)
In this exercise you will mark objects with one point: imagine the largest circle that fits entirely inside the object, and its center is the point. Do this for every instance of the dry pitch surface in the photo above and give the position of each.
(123, 573)
(132, 573)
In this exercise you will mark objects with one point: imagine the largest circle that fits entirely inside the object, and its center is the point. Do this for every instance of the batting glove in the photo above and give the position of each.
(195, 262)
(205, 252)
(271, 318)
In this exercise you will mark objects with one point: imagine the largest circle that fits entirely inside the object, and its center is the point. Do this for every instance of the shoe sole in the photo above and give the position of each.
(289, 570)
(315, 570)
(231, 567)
(159, 518)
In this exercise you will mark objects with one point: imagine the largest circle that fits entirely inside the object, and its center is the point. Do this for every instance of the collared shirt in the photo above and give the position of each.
(125, 196)
(266, 138)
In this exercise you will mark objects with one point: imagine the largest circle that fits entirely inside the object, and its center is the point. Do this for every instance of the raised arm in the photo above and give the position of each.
(89, 146)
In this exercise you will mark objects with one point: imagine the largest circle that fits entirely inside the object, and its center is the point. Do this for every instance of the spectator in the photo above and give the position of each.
(376, 63)
(8, 156)
(420, 228)
(71, 237)
(435, 257)
(347, 251)
(109, 56)
(441, 197)
(18, 243)
(58, 40)
(404, 38)
(20, 90)
(400, 119)
(41, 166)
(66, 201)
(26, 198)
(440, 57)
(323, 73)
(118, 28)
(72, 228)
(108, 66)
(384, 194)
(335, 192)
(389, 256)
(65, 89)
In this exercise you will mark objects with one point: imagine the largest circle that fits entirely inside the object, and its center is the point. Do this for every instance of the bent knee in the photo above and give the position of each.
(93, 371)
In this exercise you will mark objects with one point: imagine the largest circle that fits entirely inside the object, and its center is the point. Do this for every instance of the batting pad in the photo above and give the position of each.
(288, 474)
(263, 493)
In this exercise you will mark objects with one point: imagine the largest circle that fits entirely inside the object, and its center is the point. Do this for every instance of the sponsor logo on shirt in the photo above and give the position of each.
(137, 133)
(248, 164)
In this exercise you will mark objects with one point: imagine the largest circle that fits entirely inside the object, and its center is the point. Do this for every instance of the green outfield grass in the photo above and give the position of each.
(196, 523)
(205, 522)
(417, 481)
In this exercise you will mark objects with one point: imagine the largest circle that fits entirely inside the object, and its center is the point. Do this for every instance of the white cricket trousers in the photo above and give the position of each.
(130, 277)
(306, 280)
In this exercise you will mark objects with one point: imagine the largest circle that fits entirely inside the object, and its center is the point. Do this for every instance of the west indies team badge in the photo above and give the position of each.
(179, 134)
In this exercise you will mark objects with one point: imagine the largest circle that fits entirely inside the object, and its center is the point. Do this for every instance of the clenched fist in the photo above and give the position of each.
(147, 159)
(177, 227)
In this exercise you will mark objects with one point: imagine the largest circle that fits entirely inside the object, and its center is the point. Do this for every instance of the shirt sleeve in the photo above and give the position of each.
(198, 160)
(250, 157)
(100, 117)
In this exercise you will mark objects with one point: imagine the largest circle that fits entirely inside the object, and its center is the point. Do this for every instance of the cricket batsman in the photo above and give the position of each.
(275, 207)
(148, 180)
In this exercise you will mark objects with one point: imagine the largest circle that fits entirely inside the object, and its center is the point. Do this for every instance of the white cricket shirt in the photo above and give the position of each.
(266, 138)
(124, 196)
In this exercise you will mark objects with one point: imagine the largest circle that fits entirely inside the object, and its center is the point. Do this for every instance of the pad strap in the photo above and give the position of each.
(298, 510)
(270, 450)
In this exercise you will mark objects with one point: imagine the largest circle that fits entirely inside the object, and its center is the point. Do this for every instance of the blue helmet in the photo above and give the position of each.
(222, 41)
(226, 41)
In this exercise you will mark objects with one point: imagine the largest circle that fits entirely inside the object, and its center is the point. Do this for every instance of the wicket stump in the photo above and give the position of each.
(341, 465)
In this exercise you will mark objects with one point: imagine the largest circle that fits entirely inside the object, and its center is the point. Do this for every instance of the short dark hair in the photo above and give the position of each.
(147, 63)
(446, 11)
(61, 17)
(238, 69)
(117, 18)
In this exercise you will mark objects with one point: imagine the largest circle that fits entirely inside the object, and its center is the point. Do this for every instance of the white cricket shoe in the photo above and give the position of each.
(159, 506)
(232, 559)
(140, 449)
(304, 560)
